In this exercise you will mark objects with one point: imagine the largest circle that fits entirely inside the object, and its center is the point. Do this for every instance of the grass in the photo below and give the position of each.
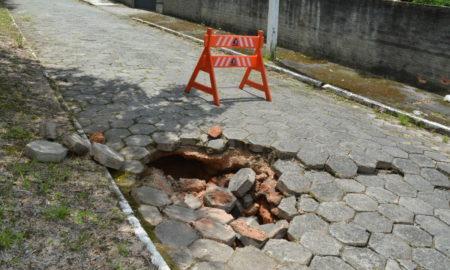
(445, 3)
(445, 139)
(405, 120)
(17, 133)
(7, 28)
(8, 238)
(56, 212)
(123, 250)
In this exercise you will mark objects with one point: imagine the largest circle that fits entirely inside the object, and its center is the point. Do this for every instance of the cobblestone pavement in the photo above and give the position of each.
(126, 79)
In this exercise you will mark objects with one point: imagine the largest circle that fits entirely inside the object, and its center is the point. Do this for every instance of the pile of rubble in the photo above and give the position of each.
(245, 208)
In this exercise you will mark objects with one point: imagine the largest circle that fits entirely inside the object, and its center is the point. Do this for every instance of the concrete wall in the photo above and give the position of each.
(394, 39)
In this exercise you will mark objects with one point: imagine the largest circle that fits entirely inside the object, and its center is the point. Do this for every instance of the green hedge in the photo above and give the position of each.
(433, 2)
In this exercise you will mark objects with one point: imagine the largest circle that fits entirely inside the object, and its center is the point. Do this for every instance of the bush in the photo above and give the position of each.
(445, 3)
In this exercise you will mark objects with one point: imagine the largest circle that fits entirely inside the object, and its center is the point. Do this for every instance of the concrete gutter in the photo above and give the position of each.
(427, 124)
(139, 231)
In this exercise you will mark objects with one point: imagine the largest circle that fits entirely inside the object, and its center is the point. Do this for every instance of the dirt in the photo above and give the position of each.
(52, 216)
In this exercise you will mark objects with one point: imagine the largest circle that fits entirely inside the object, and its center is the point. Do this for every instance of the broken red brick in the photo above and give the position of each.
(192, 185)
(215, 132)
(97, 137)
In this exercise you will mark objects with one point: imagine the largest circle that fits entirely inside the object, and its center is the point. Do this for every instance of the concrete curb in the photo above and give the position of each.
(427, 124)
(139, 231)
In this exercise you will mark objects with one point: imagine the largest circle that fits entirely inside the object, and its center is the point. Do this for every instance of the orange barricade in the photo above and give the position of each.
(208, 62)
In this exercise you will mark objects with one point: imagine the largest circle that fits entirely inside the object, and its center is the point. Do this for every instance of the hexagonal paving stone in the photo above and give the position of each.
(443, 214)
(418, 182)
(432, 225)
(180, 213)
(150, 214)
(430, 259)
(142, 129)
(396, 185)
(209, 250)
(366, 164)
(151, 196)
(135, 153)
(422, 160)
(435, 177)
(395, 152)
(286, 208)
(350, 185)
(304, 223)
(442, 243)
(370, 180)
(328, 263)
(437, 198)
(327, 192)
(415, 205)
(382, 195)
(138, 140)
(181, 256)
(306, 204)
(166, 141)
(287, 166)
(349, 233)
(335, 211)
(390, 246)
(251, 258)
(406, 166)
(285, 251)
(413, 235)
(396, 213)
(214, 230)
(360, 202)
(320, 243)
(342, 167)
(116, 134)
(175, 233)
(363, 258)
(292, 183)
(373, 222)
(314, 156)
(210, 265)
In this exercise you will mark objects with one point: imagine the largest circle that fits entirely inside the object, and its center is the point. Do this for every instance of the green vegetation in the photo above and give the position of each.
(17, 133)
(8, 238)
(445, 139)
(445, 3)
(123, 249)
(56, 212)
(7, 28)
(404, 120)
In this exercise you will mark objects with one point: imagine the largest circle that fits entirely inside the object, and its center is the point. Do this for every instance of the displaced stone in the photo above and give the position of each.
(157, 179)
(328, 263)
(360, 202)
(151, 196)
(135, 153)
(214, 230)
(413, 235)
(287, 208)
(215, 132)
(242, 182)
(45, 151)
(285, 251)
(190, 137)
(320, 243)
(150, 214)
(217, 145)
(275, 230)
(335, 211)
(181, 256)
(48, 130)
(97, 137)
(373, 222)
(363, 258)
(220, 198)
(191, 185)
(390, 246)
(209, 250)
(292, 183)
(249, 235)
(327, 192)
(429, 258)
(107, 157)
(251, 258)
(307, 204)
(215, 214)
(177, 212)
(366, 164)
(165, 141)
(396, 213)
(133, 166)
(305, 223)
(247, 200)
(252, 209)
(341, 167)
(175, 233)
(192, 201)
(76, 144)
(349, 233)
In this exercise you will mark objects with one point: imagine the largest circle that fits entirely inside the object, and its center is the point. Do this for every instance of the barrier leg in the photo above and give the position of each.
(195, 73)
(265, 84)
(215, 93)
(244, 80)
